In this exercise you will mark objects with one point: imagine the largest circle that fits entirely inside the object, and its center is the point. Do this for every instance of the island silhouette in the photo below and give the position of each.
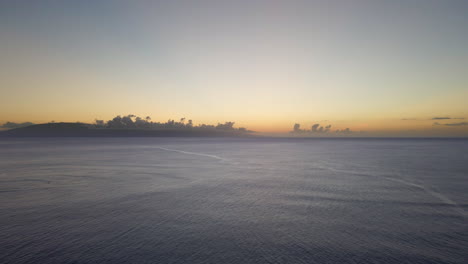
(128, 126)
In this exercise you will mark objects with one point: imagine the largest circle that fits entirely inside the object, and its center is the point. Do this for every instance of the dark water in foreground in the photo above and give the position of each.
(233, 201)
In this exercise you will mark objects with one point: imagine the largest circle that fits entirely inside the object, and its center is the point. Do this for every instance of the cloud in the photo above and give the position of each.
(408, 119)
(318, 129)
(446, 117)
(315, 127)
(136, 122)
(440, 118)
(11, 125)
(297, 127)
(451, 124)
(457, 124)
(344, 131)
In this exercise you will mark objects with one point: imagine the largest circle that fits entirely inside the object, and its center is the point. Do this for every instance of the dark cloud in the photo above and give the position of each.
(344, 131)
(136, 122)
(297, 127)
(318, 129)
(451, 124)
(444, 118)
(11, 125)
(315, 127)
(457, 124)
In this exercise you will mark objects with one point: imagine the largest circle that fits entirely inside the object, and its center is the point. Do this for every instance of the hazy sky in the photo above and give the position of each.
(363, 65)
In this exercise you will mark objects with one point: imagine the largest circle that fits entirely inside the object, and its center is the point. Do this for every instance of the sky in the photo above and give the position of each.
(394, 67)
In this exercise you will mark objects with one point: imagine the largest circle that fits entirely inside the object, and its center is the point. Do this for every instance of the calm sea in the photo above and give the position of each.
(192, 200)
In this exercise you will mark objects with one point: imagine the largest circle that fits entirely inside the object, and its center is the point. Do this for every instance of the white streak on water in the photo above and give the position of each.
(194, 153)
(427, 190)
(433, 193)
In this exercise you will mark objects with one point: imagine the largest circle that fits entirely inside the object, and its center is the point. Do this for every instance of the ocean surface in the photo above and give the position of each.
(202, 200)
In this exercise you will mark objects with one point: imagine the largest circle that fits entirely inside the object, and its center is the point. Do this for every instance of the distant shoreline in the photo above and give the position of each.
(85, 130)
(82, 130)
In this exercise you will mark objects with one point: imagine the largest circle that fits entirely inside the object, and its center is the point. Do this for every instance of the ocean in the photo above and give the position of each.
(221, 200)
